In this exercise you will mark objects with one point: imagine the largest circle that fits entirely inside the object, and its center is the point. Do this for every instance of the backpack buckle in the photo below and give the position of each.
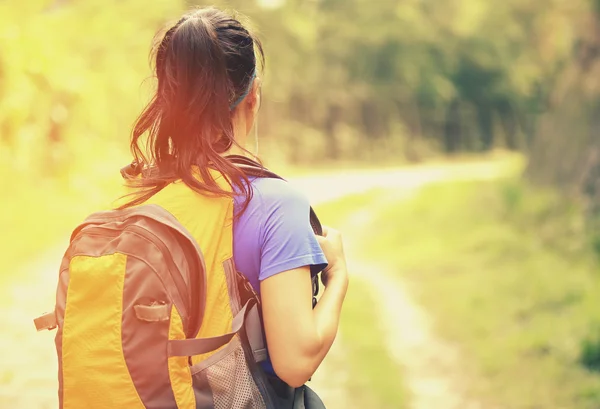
(246, 289)
(250, 290)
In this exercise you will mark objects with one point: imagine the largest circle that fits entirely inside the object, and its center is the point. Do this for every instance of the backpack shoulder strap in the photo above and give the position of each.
(252, 168)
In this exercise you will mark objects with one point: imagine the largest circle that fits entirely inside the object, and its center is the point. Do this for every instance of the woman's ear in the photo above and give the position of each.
(255, 95)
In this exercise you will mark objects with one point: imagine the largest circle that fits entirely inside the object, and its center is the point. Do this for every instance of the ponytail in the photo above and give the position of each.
(204, 64)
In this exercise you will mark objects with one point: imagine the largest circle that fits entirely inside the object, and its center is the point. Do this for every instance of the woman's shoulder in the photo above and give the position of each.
(272, 191)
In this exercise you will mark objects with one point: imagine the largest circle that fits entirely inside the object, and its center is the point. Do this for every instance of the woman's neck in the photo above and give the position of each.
(240, 134)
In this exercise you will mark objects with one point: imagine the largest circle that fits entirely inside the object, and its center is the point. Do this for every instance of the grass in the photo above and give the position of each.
(510, 278)
(372, 371)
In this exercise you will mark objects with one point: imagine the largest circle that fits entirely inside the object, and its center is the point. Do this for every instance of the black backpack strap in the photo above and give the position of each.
(254, 169)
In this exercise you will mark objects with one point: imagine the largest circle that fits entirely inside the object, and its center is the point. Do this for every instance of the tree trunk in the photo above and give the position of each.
(452, 128)
(485, 125)
(332, 119)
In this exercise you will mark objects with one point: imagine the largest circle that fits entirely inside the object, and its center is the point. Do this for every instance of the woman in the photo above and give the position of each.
(206, 103)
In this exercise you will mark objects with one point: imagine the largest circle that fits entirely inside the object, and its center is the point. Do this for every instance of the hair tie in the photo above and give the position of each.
(245, 94)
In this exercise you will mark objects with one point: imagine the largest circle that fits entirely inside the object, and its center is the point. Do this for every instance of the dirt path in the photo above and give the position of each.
(28, 365)
(432, 369)
(429, 367)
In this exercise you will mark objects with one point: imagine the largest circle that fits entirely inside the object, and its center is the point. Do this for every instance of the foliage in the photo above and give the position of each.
(590, 351)
(344, 80)
(343, 77)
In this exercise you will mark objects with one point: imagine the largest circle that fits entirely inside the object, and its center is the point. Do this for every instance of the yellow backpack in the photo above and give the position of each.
(152, 313)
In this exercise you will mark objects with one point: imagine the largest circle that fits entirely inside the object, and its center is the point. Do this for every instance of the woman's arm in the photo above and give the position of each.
(299, 336)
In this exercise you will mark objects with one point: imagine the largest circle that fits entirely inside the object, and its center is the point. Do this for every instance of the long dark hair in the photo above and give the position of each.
(204, 64)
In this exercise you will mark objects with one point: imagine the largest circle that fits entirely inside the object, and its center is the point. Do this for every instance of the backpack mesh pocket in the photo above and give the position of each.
(230, 381)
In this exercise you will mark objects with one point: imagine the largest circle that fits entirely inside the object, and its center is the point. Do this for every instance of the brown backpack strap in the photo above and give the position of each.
(131, 171)
(46, 322)
(198, 346)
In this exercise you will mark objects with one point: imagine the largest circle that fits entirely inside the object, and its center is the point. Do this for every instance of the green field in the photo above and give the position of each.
(510, 278)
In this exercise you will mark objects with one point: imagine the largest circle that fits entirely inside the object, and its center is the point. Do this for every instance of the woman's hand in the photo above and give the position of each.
(333, 248)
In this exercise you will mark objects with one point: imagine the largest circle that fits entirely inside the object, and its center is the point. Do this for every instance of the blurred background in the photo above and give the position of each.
(455, 143)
